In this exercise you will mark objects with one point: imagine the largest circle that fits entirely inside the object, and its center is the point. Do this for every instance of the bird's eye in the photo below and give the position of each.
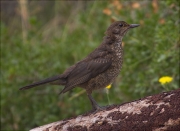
(121, 25)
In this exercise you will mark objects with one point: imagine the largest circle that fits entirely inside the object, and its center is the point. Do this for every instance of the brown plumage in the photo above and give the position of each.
(98, 69)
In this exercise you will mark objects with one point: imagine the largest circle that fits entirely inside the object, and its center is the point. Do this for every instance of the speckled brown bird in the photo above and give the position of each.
(98, 69)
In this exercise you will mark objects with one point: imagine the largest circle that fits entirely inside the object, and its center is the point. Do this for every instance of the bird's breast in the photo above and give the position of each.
(107, 77)
(118, 55)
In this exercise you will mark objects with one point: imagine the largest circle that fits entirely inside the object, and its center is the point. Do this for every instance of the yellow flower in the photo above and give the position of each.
(165, 79)
(109, 86)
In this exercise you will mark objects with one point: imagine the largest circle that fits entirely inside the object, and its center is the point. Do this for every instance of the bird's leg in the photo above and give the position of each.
(94, 104)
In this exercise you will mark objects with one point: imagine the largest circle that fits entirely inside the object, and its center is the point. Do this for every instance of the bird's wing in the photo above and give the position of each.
(87, 69)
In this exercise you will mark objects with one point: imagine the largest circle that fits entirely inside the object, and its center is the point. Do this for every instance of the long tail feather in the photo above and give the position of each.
(51, 79)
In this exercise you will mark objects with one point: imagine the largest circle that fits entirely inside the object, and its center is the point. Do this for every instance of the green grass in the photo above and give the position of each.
(59, 37)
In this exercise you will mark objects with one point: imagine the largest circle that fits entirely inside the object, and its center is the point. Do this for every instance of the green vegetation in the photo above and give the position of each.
(61, 33)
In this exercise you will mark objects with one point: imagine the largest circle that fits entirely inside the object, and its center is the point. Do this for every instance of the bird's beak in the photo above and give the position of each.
(134, 25)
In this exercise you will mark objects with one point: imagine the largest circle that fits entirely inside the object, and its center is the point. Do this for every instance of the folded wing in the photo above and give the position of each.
(87, 69)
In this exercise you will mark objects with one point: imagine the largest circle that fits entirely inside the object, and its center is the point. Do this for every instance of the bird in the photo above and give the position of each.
(98, 69)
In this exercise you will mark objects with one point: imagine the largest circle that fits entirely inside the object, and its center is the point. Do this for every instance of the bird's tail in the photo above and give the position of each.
(48, 80)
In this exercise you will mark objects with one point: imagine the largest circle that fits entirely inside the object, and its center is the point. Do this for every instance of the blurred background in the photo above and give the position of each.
(42, 38)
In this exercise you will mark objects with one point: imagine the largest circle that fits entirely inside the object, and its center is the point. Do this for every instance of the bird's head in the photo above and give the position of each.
(119, 28)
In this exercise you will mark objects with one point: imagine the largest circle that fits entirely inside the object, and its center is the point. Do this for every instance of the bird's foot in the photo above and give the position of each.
(98, 108)
(95, 106)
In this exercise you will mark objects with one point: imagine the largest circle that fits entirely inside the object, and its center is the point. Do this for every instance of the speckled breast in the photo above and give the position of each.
(107, 77)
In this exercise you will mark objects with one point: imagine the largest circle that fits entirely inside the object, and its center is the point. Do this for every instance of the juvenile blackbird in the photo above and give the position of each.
(98, 69)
